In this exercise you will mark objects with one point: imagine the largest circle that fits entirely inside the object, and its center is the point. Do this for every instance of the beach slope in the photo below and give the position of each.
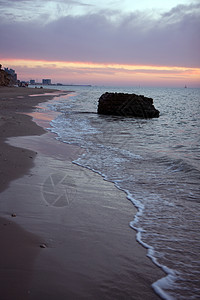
(64, 230)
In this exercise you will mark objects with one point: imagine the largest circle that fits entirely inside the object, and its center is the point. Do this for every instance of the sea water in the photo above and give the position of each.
(157, 163)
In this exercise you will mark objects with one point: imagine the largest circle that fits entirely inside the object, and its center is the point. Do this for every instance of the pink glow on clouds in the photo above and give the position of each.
(104, 74)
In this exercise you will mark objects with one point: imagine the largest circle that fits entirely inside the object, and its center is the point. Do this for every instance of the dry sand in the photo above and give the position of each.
(81, 220)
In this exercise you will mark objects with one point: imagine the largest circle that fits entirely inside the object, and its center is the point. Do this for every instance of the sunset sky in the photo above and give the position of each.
(150, 43)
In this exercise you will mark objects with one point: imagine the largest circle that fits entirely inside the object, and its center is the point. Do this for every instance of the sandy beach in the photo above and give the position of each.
(64, 230)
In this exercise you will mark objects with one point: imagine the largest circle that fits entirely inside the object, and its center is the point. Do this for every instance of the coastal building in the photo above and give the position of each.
(32, 81)
(46, 81)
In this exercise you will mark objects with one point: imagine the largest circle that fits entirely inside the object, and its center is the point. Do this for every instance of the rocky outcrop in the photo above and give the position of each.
(4, 78)
(8, 77)
(128, 105)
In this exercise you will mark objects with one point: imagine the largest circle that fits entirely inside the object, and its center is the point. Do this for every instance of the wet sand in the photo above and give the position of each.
(14, 102)
(69, 236)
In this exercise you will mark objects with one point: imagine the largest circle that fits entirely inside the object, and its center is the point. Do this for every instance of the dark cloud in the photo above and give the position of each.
(181, 10)
(136, 38)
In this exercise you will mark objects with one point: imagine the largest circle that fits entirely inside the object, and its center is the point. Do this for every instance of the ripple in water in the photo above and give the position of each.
(156, 162)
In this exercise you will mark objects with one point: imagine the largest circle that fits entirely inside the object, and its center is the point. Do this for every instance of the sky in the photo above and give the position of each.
(129, 42)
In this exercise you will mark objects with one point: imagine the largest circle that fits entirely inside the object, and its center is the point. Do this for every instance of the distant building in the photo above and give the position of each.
(46, 81)
(32, 81)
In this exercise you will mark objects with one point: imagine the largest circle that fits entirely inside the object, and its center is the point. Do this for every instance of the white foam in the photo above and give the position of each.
(79, 129)
(164, 283)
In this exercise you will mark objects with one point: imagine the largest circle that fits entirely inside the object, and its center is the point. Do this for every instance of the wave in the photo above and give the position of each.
(163, 188)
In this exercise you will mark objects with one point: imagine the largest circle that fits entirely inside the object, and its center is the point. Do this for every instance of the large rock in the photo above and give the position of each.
(120, 104)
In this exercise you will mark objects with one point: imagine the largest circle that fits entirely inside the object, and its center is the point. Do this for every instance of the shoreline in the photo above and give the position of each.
(14, 163)
(99, 257)
(15, 122)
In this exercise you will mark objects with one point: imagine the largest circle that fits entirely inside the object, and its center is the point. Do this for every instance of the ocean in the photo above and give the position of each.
(156, 162)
